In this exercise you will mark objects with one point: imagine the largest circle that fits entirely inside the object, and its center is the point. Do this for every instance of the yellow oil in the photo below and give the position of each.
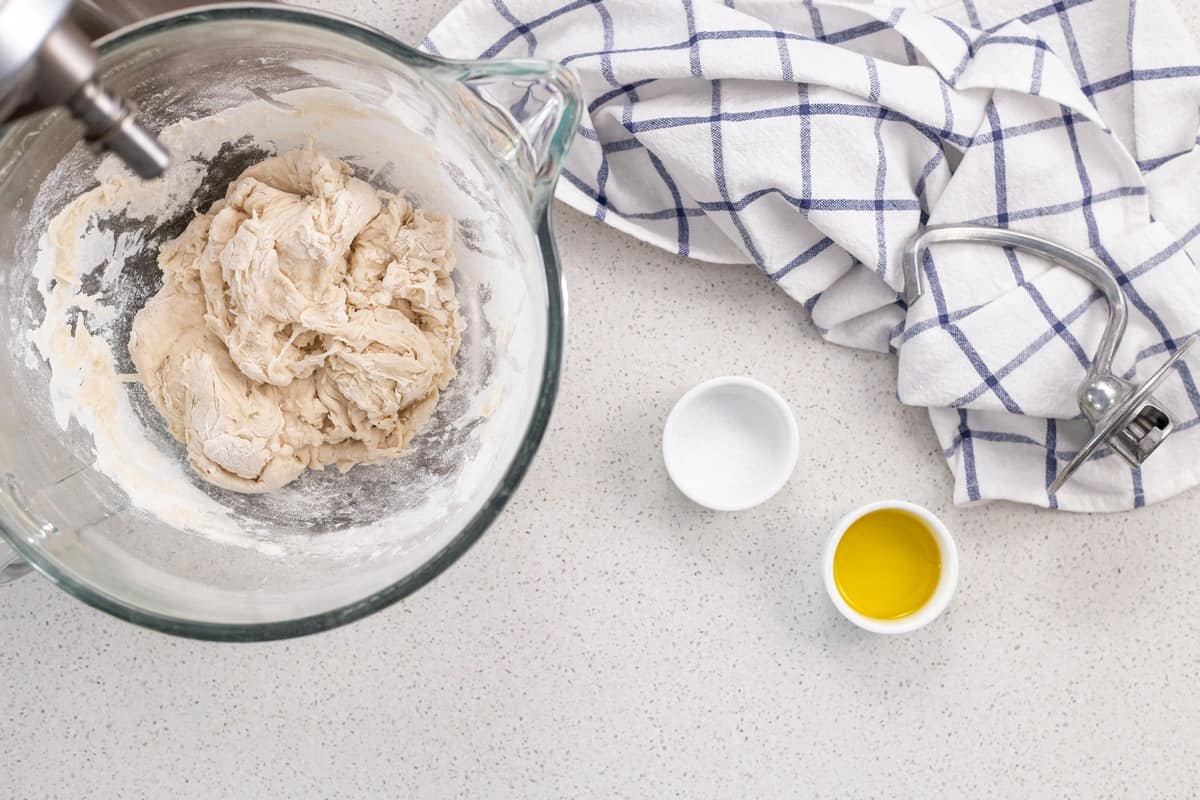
(887, 564)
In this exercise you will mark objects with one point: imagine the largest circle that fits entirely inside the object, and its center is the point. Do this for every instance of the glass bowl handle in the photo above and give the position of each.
(527, 111)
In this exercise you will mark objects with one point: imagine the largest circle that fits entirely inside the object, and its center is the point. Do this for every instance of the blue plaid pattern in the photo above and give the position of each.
(813, 139)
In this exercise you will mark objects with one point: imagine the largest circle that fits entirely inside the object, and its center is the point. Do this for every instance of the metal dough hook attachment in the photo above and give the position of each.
(1124, 416)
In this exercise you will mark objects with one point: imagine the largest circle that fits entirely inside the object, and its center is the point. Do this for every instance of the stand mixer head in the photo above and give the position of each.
(47, 60)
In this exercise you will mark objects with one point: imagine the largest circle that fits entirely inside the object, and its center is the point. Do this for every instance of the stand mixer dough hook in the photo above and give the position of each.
(1124, 416)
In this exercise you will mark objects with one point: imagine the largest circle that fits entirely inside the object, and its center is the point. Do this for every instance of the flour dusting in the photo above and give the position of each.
(95, 268)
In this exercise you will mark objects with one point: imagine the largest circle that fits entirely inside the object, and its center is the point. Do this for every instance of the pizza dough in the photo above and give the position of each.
(305, 320)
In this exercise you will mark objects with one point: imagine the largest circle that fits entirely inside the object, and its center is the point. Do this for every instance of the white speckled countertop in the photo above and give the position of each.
(607, 638)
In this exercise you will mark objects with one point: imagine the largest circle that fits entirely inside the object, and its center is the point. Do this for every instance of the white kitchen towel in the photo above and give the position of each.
(814, 139)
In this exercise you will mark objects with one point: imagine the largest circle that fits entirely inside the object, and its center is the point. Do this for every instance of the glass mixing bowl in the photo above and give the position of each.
(481, 141)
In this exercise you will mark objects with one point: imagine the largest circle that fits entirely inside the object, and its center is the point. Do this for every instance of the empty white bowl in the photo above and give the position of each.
(730, 443)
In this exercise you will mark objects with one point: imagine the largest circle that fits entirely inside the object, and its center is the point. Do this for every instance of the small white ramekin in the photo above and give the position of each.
(947, 581)
(730, 443)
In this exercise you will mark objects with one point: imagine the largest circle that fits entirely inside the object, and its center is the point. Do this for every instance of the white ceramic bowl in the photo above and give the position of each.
(941, 595)
(730, 443)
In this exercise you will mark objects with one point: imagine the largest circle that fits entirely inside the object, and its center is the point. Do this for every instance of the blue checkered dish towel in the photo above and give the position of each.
(813, 139)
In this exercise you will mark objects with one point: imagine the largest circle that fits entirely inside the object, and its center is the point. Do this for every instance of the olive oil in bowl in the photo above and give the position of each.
(890, 567)
(887, 564)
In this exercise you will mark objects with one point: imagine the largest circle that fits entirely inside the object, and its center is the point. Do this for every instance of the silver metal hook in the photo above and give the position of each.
(1123, 416)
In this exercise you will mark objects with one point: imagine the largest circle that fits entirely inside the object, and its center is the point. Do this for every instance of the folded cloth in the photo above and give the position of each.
(814, 139)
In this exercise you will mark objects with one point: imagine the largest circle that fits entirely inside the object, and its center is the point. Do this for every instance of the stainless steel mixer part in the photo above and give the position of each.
(1124, 416)
(47, 60)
